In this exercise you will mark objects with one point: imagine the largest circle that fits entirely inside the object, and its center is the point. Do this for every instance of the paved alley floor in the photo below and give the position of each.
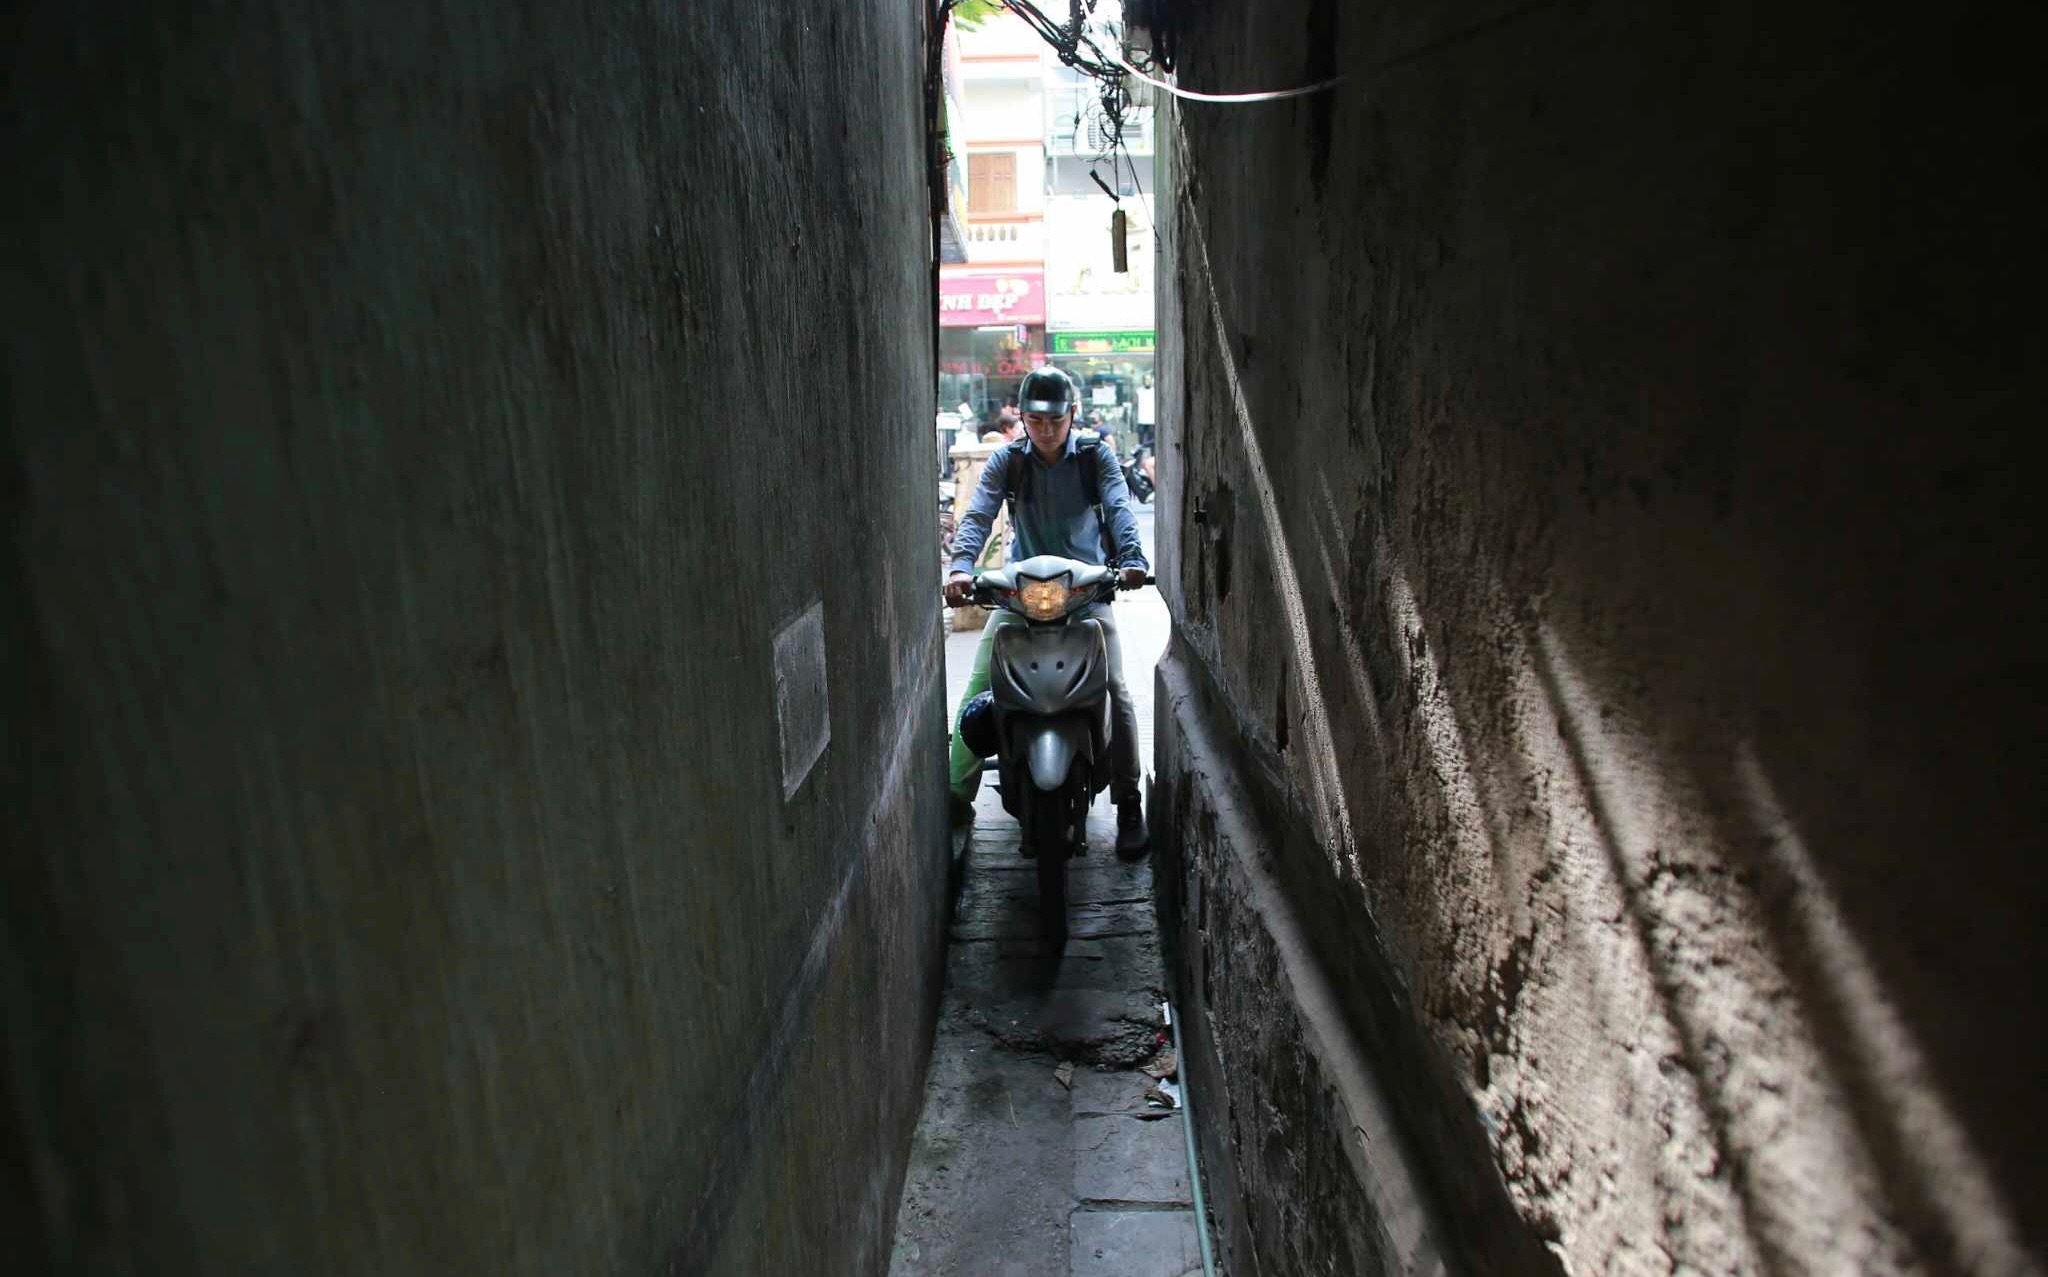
(1041, 1151)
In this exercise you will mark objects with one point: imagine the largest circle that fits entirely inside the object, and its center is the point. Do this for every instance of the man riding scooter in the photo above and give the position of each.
(1067, 497)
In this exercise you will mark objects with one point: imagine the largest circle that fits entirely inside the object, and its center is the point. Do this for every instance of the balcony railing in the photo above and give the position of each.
(1001, 238)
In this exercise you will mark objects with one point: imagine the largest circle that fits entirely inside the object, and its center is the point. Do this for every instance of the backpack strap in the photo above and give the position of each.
(1013, 473)
(1094, 481)
(1094, 477)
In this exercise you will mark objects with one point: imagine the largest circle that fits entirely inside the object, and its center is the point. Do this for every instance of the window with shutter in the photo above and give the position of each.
(992, 183)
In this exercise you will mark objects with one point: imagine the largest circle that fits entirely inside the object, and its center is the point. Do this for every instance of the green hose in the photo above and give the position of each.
(1187, 1126)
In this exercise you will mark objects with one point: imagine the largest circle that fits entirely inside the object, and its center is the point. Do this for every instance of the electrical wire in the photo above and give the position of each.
(1113, 69)
(1076, 50)
(1273, 96)
(1140, 198)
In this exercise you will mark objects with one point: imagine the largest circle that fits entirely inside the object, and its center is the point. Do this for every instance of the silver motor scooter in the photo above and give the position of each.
(1050, 683)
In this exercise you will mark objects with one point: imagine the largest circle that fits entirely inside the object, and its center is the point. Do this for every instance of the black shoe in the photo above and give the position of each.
(1130, 827)
(960, 810)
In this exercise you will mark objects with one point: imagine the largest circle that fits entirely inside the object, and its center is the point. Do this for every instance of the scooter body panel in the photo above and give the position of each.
(1050, 746)
(1049, 669)
(1049, 683)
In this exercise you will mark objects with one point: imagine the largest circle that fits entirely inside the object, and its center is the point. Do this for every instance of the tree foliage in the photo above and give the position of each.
(972, 13)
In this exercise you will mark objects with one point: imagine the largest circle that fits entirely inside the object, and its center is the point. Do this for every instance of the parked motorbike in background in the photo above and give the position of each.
(1138, 473)
(1046, 720)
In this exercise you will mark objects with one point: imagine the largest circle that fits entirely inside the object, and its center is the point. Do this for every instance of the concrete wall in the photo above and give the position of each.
(424, 419)
(1602, 743)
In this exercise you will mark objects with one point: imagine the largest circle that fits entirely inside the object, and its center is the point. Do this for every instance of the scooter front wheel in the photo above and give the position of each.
(1052, 894)
(1046, 836)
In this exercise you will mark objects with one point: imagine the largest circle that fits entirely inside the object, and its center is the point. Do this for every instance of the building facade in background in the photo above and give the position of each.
(953, 222)
(992, 307)
(1038, 283)
(1099, 323)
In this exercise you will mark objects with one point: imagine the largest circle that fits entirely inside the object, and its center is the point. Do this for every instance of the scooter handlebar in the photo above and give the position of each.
(979, 595)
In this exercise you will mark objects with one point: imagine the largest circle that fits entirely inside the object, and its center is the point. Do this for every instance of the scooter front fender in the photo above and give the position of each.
(1050, 746)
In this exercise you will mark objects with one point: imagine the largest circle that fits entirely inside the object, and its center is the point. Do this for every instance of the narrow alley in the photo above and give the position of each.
(489, 779)
(1046, 1145)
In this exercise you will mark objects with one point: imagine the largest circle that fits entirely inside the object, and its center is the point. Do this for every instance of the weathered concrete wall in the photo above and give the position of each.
(424, 418)
(1601, 540)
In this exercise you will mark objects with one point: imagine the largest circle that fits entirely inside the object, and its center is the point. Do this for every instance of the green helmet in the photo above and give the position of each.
(1048, 390)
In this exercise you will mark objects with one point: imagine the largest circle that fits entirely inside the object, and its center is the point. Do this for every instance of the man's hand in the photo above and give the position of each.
(1133, 578)
(958, 586)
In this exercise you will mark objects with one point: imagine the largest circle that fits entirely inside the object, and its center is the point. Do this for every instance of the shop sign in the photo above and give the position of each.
(973, 299)
(1116, 343)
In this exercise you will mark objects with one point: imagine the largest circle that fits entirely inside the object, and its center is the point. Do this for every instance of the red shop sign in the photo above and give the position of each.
(971, 299)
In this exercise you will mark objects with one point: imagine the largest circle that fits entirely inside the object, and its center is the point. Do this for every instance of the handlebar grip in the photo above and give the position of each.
(976, 597)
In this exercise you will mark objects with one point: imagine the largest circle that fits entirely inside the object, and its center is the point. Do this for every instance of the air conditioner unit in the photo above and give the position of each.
(1098, 135)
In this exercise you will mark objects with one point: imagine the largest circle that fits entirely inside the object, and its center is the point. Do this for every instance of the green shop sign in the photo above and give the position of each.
(1124, 343)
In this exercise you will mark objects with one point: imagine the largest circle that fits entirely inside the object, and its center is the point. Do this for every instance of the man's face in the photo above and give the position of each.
(1048, 431)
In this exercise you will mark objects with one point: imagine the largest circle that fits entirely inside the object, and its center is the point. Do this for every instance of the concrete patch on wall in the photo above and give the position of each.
(803, 704)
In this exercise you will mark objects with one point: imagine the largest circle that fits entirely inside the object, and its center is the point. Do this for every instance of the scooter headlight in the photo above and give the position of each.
(1044, 600)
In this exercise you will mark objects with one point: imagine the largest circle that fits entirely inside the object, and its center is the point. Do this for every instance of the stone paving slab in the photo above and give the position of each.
(1089, 879)
(1099, 1093)
(1095, 1026)
(1097, 875)
(986, 1192)
(1128, 1159)
(1009, 967)
(1135, 1244)
(1084, 922)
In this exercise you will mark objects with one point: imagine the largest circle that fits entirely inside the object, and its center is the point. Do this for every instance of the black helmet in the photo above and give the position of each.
(1046, 389)
(978, 725)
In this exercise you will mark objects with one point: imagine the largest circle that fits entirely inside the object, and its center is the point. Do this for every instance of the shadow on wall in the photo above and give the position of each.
(1647, 859)
(1818, 1099)
(1871, 1122)
(1810, 1096)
